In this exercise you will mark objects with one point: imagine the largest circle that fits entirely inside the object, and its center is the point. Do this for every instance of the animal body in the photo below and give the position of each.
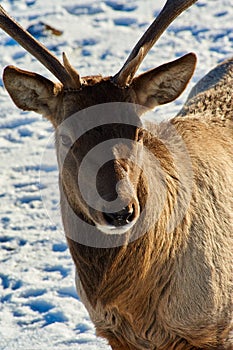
(149, 221)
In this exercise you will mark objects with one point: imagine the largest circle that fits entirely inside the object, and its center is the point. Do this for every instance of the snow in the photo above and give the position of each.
(39, 307)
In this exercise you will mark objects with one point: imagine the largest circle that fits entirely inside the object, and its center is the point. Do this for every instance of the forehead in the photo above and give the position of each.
(95, 90)
(107, 117)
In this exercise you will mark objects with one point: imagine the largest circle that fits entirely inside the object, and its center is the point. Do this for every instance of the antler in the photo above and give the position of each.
(66, 74)
(171, 10)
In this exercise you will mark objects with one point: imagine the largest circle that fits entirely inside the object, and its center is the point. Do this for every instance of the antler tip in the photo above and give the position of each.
(72, 72)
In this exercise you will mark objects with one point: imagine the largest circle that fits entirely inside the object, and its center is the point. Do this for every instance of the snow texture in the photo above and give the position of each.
(39, 307)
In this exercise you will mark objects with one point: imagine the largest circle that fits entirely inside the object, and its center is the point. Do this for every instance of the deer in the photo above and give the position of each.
(146, 207)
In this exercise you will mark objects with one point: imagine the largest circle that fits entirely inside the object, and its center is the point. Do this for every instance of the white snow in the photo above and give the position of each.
(39, 307)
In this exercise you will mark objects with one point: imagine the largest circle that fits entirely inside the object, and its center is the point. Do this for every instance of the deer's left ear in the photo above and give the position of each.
(31, 91)
(165, 83)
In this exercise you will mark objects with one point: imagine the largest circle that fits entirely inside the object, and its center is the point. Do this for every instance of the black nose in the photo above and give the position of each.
(120, 218)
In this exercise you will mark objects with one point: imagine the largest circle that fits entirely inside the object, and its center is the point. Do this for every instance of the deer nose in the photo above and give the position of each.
(122, 217)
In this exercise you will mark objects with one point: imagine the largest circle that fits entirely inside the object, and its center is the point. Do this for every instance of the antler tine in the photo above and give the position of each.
(170, 11)
(38, 50)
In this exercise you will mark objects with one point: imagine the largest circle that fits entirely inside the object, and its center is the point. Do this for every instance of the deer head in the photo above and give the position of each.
(118, 179)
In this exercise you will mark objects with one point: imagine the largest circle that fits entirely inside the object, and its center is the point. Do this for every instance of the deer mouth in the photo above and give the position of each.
(119, 222)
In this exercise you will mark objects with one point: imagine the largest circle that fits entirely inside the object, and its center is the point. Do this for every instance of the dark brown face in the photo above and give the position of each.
(100, 154)
(98, 140)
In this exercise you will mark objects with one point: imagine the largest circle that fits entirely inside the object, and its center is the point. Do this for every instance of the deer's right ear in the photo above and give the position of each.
(165, 83)
(31, 91)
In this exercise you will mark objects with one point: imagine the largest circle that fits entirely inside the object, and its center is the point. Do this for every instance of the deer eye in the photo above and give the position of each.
(140, 135)
(66, 140)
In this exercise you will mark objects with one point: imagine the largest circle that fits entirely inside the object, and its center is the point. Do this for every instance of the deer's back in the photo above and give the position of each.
(212, 95)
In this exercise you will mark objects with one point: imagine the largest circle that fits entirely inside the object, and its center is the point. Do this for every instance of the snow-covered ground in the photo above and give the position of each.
(39, 307)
